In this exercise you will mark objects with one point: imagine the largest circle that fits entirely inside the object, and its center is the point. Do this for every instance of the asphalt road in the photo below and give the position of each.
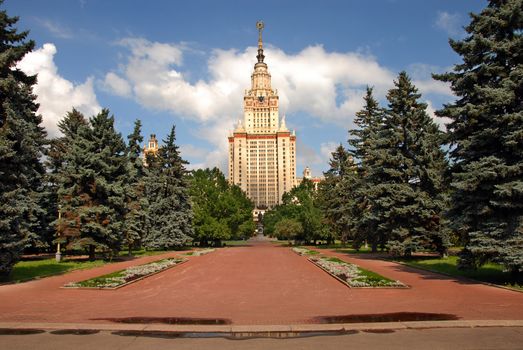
(454, 338)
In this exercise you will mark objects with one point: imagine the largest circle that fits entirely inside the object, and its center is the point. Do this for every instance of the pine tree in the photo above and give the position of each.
(135, 199)
(55, 153)
(407, 167)
(366, 146)
(21, 147)
(169, 205)
(91, 191)
(485, 134)
(335, 195)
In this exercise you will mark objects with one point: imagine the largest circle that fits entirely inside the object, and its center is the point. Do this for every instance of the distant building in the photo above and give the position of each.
(150, 149)
(262, 151)
(308, 175)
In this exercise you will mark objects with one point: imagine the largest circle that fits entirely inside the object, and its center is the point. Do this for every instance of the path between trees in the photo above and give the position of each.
(258, 284)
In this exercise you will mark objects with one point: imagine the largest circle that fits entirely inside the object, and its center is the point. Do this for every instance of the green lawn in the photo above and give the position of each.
(26, 270)
(362, 250)
(143, 252)
(235, 243)
(492, 273)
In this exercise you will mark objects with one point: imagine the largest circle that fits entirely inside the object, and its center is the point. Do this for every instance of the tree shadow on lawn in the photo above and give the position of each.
(488, 275)
(24, 273)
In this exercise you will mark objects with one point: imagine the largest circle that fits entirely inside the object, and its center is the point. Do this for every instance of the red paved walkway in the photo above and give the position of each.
(261, 284)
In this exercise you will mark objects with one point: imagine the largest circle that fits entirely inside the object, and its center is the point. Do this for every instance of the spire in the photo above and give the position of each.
(260, 27)
(283, 126)
(240, 127)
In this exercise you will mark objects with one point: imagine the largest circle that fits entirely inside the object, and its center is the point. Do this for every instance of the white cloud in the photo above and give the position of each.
(312, 80)
(449, 22)
(55, 94)
(117, 85)
(55, 28)
(440, 121)
(329, 86)
(327, 148)
(422, 77)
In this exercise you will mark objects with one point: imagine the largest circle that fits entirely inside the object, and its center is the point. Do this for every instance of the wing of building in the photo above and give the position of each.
(262, 151)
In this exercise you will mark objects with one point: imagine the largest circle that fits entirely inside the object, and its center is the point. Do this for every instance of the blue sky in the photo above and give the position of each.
(188, 62)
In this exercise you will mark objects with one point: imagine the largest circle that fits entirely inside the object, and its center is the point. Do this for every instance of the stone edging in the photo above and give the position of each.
(262, 330)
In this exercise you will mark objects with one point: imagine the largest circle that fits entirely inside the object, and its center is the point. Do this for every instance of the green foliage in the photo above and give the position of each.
(55, 159)
(288, 229)
(135, 220)
(91, 187)
(402, 170)
(365, 143)
(301, 205)
(221, 211)
(336, 196)
(485, 135)
(169, 209)
(21, 148)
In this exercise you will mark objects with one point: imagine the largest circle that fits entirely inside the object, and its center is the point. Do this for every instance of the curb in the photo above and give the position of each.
(279, 331)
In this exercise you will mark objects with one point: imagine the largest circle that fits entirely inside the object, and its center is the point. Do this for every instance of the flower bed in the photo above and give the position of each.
(124, 277)
(353, 275)
(200, 252)
(304, 251)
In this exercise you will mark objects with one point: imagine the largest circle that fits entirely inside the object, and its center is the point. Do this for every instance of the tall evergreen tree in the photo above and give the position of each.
(335, 195)
(407, 170)
(92, 187)
(21, 147)
(366, 146)
(55, 153)
(169, 205)
(486, 136)
(368, 120)
(135, 199)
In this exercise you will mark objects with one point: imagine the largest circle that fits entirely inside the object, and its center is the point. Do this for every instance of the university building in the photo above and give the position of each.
(262, 151)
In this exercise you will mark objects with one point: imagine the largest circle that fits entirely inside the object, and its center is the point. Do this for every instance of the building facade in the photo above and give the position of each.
(262, 151)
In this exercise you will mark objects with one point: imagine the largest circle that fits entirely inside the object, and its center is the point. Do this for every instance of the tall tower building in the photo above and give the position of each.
(262, 151)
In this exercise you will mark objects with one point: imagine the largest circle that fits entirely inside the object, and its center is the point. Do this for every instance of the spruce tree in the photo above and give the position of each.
(336, 195)
(169, 205)
(485, 136)
(408, 197)
(91, 191)
(21, 147)
(367, 147)
(135, 200)
(55, 153)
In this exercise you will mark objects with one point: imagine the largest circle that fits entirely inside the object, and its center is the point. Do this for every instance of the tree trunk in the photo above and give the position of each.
(374, 248)
(92, 253)
(130, 252)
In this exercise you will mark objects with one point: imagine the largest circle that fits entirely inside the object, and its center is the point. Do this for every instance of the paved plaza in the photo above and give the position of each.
(259, 284)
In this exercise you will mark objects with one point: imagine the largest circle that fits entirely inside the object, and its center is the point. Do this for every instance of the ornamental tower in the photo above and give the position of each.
(262, 151)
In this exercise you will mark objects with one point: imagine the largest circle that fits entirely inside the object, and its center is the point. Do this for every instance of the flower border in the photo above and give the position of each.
(396, 285)
(71, 285)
